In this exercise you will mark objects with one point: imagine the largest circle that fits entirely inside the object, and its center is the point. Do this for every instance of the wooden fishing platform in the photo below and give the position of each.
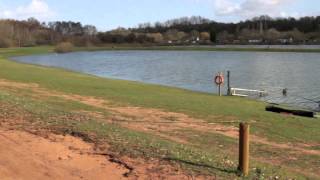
(239, 92)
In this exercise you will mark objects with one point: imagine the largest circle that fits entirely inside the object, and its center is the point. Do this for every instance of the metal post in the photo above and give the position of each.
(228, 79)
(244, 148)
(219, 87)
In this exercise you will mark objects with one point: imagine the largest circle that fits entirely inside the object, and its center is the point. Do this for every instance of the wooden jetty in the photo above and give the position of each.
(240, 91)
(278, 109)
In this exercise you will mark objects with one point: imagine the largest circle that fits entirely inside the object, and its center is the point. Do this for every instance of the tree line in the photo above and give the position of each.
(31, 32)
(263, 29)
(185, 30)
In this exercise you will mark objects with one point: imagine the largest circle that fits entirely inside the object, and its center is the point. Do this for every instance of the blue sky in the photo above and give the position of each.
(109, 14)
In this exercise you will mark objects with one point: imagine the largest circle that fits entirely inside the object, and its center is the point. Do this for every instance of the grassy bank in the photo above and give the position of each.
(70, 117)
(213, 109)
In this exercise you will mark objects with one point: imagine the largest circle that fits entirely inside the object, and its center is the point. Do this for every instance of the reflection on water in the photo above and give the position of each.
(298, 72)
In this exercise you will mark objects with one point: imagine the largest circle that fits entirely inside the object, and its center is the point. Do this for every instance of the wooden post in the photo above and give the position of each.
(244, 149)
(219, 87)
(228, 79)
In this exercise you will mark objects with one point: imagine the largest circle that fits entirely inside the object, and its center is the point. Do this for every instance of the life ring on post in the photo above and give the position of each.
(219, 79)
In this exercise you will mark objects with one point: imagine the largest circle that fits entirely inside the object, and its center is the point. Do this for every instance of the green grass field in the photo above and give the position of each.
(204, 153)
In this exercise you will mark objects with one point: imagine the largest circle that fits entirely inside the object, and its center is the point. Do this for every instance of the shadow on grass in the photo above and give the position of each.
(229, 171)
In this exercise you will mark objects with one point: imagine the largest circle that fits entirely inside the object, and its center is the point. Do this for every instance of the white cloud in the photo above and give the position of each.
(250, 8)
(224, 7)
(36, 8)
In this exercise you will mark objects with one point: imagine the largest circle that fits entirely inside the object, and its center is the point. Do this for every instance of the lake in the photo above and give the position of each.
(194, 70)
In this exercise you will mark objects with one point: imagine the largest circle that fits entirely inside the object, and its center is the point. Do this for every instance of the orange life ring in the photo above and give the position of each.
(219, 79)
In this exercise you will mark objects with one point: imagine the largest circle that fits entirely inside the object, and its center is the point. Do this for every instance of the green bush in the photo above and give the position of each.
(64, 47)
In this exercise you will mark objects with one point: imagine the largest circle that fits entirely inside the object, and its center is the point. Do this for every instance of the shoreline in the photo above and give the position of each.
(137, 47)
(92, 49)
(202, 48)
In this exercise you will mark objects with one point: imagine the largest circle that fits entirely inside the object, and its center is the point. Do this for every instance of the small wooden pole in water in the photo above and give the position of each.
(228, 79)
(244, 149)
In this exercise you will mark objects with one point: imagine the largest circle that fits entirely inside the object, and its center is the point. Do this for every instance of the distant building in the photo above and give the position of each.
(255, 41)
(286, 40)
(236, 41)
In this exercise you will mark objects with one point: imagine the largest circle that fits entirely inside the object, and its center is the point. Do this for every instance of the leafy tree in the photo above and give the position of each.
(213, 35)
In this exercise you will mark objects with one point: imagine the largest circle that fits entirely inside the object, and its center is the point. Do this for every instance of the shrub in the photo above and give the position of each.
(29, 44)
(64, 47)
(5, 43)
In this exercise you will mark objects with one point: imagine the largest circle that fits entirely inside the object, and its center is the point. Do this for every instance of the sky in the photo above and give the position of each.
(110, 14)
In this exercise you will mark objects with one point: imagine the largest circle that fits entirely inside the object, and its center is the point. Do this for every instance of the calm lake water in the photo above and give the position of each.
(270, 71)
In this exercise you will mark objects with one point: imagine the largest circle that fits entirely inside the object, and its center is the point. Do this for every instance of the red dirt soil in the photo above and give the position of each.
(27, 156)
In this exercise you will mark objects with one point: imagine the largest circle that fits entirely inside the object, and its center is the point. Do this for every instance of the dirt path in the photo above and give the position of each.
(27, 156)
(156, 120)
